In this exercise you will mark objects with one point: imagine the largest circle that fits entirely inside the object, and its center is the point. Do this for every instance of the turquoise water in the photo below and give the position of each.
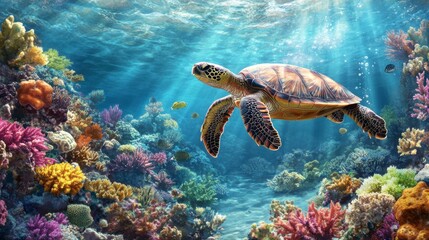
(136, 50)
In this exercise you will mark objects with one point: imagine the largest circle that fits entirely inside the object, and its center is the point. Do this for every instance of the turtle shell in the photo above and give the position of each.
(301, 87)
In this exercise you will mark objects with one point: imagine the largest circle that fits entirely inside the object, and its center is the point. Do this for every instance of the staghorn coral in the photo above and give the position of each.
(412, 212)
(27, 143)
(421, 98)
(317, 224)
(103, 188)
(56, 61)
(393, 182)
(17, 46)
(410, 141)
(64, 141)
(83, 156)
(79, 215)
(37, 94)
(111, 116)
(286, 181)
(60, 178)
(398, 47)
(368, 211)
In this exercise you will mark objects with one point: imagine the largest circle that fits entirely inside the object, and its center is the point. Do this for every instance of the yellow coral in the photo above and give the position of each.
(84, 156)
(103, 188)
(170, 123)
(33, 56)
(410, 141)
(60, 178)
(127, 148)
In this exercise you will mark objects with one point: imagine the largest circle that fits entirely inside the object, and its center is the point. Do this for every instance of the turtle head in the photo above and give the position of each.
(212, 74)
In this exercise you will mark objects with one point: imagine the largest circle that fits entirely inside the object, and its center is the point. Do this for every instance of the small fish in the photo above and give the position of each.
(342, 130)
(195, 115)
(390, 68)
(182, 156)
(178, 105)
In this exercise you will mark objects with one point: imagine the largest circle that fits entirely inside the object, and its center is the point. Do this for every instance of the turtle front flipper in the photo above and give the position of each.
(336, 117)
(216, 118)
(367, 120)
(258, 122)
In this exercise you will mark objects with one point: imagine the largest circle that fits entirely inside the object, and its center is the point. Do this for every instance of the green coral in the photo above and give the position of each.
(200, 193)
(79, 215)
(393, 182)
(286, 181)
(57, 62)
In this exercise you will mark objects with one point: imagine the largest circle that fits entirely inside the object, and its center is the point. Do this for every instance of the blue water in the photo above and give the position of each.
(138, 49)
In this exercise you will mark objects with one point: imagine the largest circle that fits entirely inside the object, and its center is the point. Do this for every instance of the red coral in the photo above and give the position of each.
(321, 224)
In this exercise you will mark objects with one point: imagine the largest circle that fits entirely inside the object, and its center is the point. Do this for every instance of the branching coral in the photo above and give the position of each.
(56, 61)
(421, 98)
(317, 224)
(412, 212)
(103, 188)
(137, 161)
(398, 46)
(410, 141)
(162, 182)
(84, 156)
(368, 211)
(29, 142)
(112, 115)
(60, 178)
(17, 45)
(200, 193)
(286, 181)
(393, 182)
(40, 228)
(37, 94)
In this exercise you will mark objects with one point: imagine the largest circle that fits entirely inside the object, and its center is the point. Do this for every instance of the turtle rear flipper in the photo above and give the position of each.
(336, 117)
(258, 122)
(214, 122)
(367, 120)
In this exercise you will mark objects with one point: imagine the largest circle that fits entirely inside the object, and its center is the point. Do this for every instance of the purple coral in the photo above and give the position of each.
(162, 182)
(57, 112)
(138, 160)
(112, 115)
(387, 228)
(40, 228)
(398, 46)
(3, 213)
(421, 109)
(29, 141)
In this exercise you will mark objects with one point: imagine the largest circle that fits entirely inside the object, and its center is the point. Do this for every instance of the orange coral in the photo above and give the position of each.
(344, 184)
(83, 140)
(412, 212)
(38, 94)
(78, 117)
(94, 132)
(33, 56)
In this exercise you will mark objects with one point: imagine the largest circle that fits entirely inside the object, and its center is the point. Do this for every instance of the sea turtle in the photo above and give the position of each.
(278, 91)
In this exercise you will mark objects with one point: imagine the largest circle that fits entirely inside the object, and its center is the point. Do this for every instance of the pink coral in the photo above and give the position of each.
(29, 141)
(138, 160)
(160, 158)
(398, 47)
(162, 182)
(112, 115)
(322, 224)
(3, 213)
(421, 109)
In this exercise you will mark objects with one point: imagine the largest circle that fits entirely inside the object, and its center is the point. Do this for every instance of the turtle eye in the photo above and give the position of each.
(204, 67)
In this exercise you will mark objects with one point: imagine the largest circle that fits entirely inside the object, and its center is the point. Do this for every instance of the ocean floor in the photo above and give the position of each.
(249, 202)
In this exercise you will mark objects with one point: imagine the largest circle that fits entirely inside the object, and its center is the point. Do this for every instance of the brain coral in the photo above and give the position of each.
(64, 140)
(412, 212)
(37, 94)
(60, 178)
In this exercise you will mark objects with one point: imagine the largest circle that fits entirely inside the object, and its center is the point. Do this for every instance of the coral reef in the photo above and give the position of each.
(199, 193)
(83, 156)
(286, 181)
(111, 116)
(36, 93)
(368, 211)
(40, 228)
(56, 61)
(411, 210)
(60, 178)
(103, 188)
(317, 224)
(64, 141)
(410, 141)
